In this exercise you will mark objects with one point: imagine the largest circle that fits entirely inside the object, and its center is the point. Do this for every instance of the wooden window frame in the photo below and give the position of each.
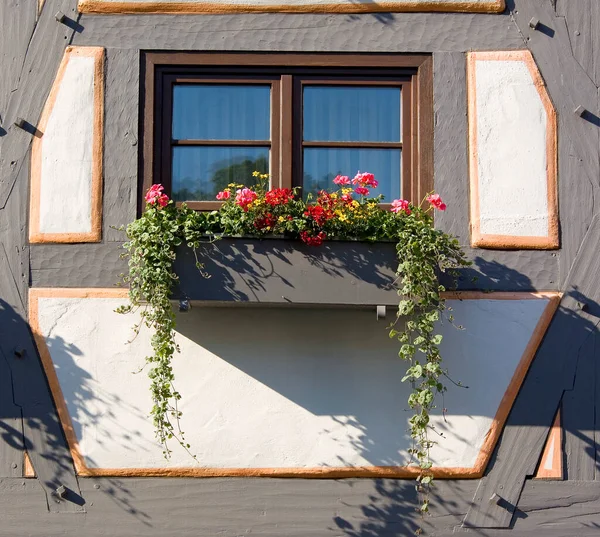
(287, 72)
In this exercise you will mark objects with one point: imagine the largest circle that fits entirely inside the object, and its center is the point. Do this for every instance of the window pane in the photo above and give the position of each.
(221, 112)
(200, 172)
(322, 165)
(351, 113)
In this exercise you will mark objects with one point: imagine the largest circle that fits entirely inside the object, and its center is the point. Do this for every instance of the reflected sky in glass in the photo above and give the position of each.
(352, 113)
(321, 165)
(200, 172)
(221, 112)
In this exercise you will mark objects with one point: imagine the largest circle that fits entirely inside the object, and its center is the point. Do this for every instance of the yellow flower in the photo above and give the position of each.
(355, 203)
(334, 196)
(281, 219)
(346, 190)
(255, 174)
(343, 218)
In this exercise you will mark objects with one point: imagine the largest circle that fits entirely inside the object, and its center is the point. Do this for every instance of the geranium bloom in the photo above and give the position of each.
(265, 222)
(318, 214)
(155, 195)
(342, 180)
(436, 201)
(223, 195)
(313, 240)
(362, 190)
(279, 196)
(244, 197)
(399, 206)
(365, 179)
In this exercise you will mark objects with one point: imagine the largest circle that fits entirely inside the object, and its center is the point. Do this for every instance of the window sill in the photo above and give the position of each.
(279, 271)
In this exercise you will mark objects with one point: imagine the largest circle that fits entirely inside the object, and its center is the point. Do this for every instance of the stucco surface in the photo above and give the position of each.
(511, 150)
(67, 147)
(283, 388)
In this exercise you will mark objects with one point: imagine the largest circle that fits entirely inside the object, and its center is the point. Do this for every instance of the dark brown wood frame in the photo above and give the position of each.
(286, 73)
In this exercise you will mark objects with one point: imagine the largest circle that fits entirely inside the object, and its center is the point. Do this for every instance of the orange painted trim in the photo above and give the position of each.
(95, 235)
(515, 384)
(509, 242)
(555, 440)
(474, 472)
(205, 8)
(28, 470)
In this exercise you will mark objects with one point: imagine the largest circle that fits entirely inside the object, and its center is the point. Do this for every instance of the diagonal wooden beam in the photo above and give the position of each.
(552, 372)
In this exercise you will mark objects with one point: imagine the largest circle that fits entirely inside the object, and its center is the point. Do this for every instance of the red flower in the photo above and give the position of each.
(318, 213)
(365, 179)
(223, 195)
(313, 240)
(155, 195)
(279, 196)
(362, 190)
(265, 221)
(436, 201)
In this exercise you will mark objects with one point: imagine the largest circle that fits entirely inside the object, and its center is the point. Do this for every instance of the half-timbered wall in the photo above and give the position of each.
(294, 440)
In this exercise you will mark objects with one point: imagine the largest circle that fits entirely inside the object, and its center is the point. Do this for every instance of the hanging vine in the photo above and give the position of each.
(347, 213)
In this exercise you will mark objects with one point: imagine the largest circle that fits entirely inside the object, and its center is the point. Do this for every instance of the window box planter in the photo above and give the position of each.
(280, 271)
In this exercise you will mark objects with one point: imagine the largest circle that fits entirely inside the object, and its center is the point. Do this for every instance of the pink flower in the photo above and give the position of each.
(436, 201)
(245, 197)
(365, 179)
(223, 195)
(399, 206)
(155, 195)
(363, 191)
(342, 180)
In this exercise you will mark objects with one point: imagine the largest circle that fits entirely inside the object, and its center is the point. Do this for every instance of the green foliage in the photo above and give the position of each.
(423, 254)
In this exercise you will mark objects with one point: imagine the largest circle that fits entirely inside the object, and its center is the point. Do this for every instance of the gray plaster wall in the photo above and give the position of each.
(446, 36)
(566, 47)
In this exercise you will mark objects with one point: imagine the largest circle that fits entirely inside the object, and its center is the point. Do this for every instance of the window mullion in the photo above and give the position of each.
(286, 156)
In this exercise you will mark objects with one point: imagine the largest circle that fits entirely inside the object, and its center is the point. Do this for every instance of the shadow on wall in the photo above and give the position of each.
(240, 270)
(391, 506)
(25, 395)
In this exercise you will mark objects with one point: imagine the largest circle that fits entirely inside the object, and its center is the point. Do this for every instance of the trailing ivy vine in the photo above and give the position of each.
(423, 251)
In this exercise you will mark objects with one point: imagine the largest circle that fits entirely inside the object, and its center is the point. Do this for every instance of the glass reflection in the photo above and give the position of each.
(200, 172)
(221, 112)
(321, 165)
(352, 113)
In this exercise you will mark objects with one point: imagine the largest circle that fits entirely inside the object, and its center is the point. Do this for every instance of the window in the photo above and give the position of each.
(212, 119)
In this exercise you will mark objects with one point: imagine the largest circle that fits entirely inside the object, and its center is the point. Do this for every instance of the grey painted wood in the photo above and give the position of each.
(120, 140)
(41, 434)
(578, 409)
(579, 18)
(569, 86)
(551, 372)
(159, 507)
(405, 32)
(40, 65)
(11, 423)
(99, 265)
(18, 21)
(551, 508)
(292, 507)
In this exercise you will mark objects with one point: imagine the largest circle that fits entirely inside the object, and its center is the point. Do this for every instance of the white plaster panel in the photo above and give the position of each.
(276, 388)
(66, 154)
(511, 150)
